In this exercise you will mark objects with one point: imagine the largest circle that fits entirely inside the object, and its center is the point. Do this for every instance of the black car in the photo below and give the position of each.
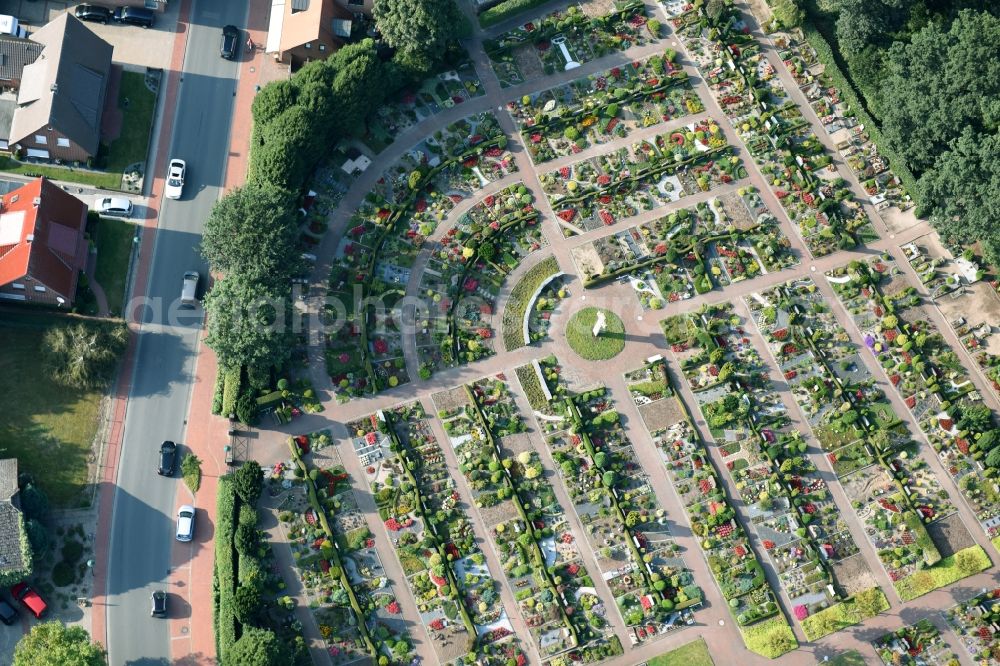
(158, 604)
(7, 613)
(93, 13)
(230, 42)
(140, 16)
(168, 453)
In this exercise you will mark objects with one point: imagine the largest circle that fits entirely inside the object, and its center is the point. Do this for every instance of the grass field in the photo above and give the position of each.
(580, 335)
(694, 653)
(93, 178)
(131, 144)
(114, 248)
(49, 428)
(945, 572)
(849, 658)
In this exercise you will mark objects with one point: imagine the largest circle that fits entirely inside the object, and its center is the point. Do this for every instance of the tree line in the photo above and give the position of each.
(929, 72)
(252, 234)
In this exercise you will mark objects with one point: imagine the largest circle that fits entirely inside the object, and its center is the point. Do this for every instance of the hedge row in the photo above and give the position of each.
(226, 566)
(824, 52)
(231, 384)
(518, 304)
(505, 10)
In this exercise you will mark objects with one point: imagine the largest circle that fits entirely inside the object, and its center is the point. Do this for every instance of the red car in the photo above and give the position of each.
(29, 599)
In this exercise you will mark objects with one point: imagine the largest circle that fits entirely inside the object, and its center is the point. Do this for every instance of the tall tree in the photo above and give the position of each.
(946, 80)
(420, 30)
(252, 233)
(248, 324)
(55, 643)
(962, 192)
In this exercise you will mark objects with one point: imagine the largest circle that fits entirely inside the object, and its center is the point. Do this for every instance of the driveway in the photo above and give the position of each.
(133, 45)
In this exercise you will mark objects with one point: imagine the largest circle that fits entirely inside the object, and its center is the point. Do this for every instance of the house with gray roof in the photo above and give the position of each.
(14, 557)
(60, 101)
(15, 54)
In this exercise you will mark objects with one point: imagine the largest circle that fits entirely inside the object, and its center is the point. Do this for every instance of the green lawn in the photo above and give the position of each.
(945, 572)
(114, 249)
(770, 638)
(580, 335)
(847, 613)
(131, 144)
(50, 429)
(93, 178)
(694, 653)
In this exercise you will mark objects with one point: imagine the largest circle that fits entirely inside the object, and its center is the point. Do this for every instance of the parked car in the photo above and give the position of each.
(168, 453)
(7, 613)
(94, 13)
(29, 599)
(175, 179)
(140, 16)
(113, 206)
(189, 290)
(158, 604)
(230, 42)
(185, 523)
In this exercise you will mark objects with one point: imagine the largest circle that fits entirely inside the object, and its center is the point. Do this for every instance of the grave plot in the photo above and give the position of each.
(789, 155)
(465, 272)
(433, 95)
(344, 582)
(603, 107)
(918, 644)
(611, 494)
(929, 377)
(564, 39)
(373, 262)
(456, 594)
(789, 506)
(690, 250)
(850, 138)
(975, 623)
(651, 173)
(533, 541)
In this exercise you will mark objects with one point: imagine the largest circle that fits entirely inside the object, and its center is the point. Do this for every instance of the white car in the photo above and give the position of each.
(185, 523)
(175, 179)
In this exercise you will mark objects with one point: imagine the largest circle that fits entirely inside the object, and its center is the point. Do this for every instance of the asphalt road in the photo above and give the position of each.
(143, 548)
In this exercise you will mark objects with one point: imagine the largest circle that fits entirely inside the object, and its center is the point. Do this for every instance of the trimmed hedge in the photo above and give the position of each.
(505, 10)
(824, 52)
(227, 627)
(231, 384)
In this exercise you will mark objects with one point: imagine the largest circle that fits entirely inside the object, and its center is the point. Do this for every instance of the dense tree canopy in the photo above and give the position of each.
(248, 324)
(55, 643)
(253, 233)
(421, 31)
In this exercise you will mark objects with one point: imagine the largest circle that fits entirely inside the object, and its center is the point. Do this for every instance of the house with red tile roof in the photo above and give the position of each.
(42, 244)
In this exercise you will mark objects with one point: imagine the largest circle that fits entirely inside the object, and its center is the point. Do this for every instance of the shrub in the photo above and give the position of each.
(249, 481)
(63, 574)
(505, 10)
(231, 384)
(191, 472)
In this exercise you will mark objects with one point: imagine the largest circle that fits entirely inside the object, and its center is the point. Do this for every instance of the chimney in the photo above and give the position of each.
(55, 87)
(36, 202)
(29, 238)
